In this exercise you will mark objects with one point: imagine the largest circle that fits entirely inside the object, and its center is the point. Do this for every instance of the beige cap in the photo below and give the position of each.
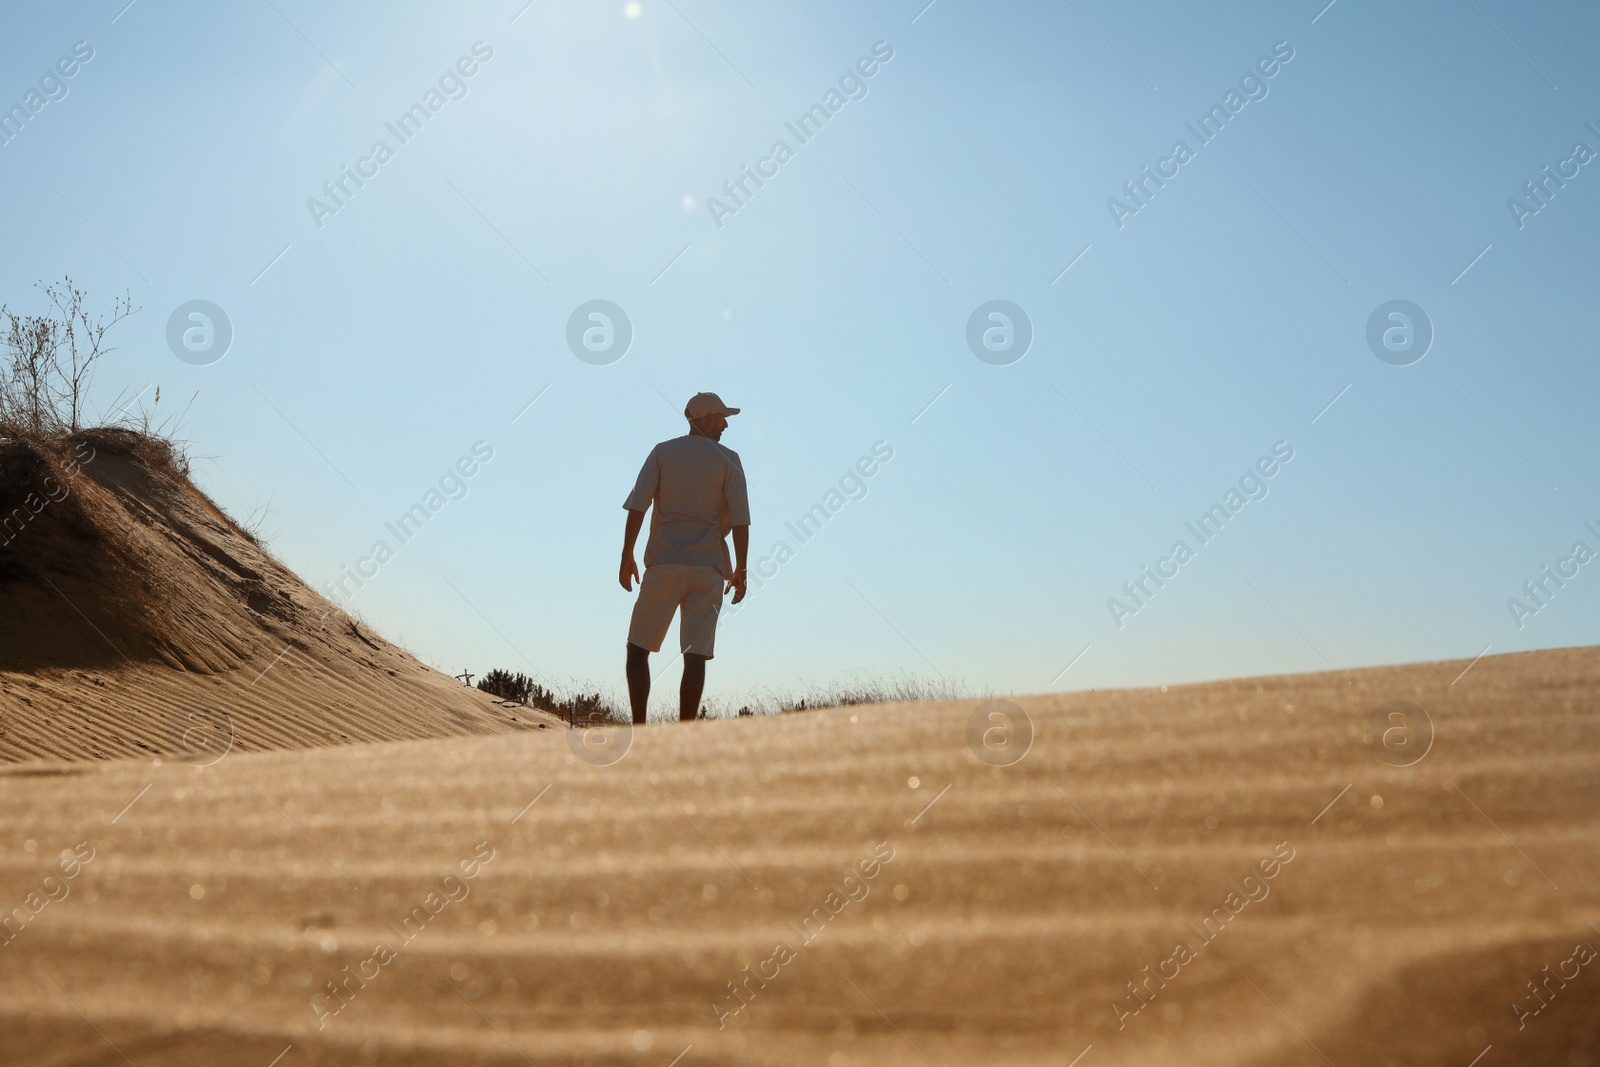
(702, 404)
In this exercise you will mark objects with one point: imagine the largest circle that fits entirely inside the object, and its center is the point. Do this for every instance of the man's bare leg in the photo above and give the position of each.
(639, 682)
(693, 684)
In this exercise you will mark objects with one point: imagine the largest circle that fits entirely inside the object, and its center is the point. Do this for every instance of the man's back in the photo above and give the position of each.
(698, 491)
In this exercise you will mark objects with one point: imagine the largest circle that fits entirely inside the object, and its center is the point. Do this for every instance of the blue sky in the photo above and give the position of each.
(373, 351)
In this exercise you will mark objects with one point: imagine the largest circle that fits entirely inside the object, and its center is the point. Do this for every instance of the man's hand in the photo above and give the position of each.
(736, 583)
(629, 573)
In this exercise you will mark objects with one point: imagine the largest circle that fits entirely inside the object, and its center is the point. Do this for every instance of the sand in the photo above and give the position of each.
(1008, 907)
(137, 618)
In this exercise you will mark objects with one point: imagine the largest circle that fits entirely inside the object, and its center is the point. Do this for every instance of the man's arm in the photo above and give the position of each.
(630, 535)
(741, 549)
(639, 501)
(737, 500)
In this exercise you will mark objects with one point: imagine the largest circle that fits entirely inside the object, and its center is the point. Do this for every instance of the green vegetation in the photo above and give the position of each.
(578, 709)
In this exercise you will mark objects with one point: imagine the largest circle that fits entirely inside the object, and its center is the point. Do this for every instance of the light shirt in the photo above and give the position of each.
(698, 489)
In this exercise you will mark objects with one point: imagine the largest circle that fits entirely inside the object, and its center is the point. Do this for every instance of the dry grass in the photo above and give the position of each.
(154, 451)
(862, 688)
(583, 703)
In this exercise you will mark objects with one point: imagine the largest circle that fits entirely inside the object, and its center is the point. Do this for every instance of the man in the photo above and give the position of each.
(697, 488)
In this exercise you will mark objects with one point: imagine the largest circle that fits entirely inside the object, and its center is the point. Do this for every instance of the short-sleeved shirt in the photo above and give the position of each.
(698, 489)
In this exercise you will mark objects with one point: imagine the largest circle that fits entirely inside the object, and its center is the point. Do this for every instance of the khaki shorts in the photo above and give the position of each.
(664, 590)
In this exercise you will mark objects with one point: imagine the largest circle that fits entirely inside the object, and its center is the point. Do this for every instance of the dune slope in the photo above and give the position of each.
(137, 618)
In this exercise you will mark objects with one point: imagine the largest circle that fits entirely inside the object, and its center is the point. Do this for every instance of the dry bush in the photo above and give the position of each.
(47, 365)
(49, 361)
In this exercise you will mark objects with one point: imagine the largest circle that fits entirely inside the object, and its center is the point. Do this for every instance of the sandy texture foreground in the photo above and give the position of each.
(995, 914)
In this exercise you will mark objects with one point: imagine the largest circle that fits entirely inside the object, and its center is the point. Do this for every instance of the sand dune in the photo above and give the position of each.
(140, 619)
(1009, 908)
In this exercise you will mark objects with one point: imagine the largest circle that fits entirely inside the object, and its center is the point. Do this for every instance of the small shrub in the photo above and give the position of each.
(577, 709)
(507, 686)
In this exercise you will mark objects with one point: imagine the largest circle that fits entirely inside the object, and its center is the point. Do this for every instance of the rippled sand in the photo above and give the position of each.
(881, 895)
